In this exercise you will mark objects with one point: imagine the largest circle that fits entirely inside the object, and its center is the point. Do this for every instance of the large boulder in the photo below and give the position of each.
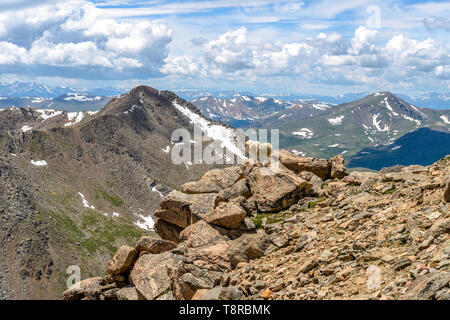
(167, 230)
(248, 247)
(129, 293)
(200, 234)
(320, 167)
(122, 260)
(212, 256)
(88, 289)
(154, 245)
(187, 278)
(278, 191)
(214, 180)
(227, 214)
(338, 170)
(239, 189)
(183, 209)
(149, 274)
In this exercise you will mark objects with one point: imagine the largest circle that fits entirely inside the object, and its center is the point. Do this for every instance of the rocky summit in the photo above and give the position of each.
(310, 231)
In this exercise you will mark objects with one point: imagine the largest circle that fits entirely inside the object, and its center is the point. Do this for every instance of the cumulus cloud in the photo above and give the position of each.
(74, 38)
(75, 34)
(417, 55)
(364, 40)
(324, 58)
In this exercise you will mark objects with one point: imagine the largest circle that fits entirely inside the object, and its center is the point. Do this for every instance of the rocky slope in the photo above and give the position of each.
(310, 231)
(78, 185)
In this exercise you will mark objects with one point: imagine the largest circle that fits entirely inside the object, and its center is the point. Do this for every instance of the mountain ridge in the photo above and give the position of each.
(87, 182)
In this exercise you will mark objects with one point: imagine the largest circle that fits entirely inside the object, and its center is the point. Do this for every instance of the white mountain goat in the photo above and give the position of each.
(256, 149)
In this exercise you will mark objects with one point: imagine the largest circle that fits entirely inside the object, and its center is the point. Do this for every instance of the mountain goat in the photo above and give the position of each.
(255, 149)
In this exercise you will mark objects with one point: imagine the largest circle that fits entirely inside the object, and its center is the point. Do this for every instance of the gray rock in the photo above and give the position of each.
(128, 293)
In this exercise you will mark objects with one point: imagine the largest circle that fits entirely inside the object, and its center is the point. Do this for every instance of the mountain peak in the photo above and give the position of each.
(144, 91)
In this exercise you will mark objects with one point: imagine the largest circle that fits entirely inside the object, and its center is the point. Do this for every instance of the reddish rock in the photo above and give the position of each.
(226, 214)
(122, 260)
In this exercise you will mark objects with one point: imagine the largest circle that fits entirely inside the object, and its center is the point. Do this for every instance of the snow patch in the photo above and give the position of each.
(26, 128)
(320, 106)
(79, 97)
(39, 163)
(387, 104)
(166, 149)
(411, 119)
(74, 118)
(261, 99)
(445, 119)
(298, 153)
(227, 136)
(145, 223)
(336, 121)
(48, 113)
(157, 191)
(377, 123)
(85, 202)
(304, 133)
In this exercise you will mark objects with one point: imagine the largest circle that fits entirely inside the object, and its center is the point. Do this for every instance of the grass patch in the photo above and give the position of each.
(114, 200)
(105, 232)
(312, 204)
(271, 218)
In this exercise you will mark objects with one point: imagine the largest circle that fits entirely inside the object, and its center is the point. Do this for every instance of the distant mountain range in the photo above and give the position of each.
(36, 89)
(243, 111)
(39, 90)
(73, 102)
(431, 100)
(310, 125)
(318, 129)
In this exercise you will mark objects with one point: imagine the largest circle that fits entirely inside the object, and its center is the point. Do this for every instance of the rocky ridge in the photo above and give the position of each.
(310, 231)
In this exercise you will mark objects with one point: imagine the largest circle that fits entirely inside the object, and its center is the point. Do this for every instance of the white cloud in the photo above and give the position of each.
(341, 60)
(75, 34)
(80, 39)
(417, 55)
(364, 40)
(11, 53)
(325, 58)
(442, 72)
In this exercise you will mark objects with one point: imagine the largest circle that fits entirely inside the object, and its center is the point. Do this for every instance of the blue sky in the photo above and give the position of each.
(320, 47)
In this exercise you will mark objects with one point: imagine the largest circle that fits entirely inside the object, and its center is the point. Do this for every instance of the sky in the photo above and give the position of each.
(314, 47)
